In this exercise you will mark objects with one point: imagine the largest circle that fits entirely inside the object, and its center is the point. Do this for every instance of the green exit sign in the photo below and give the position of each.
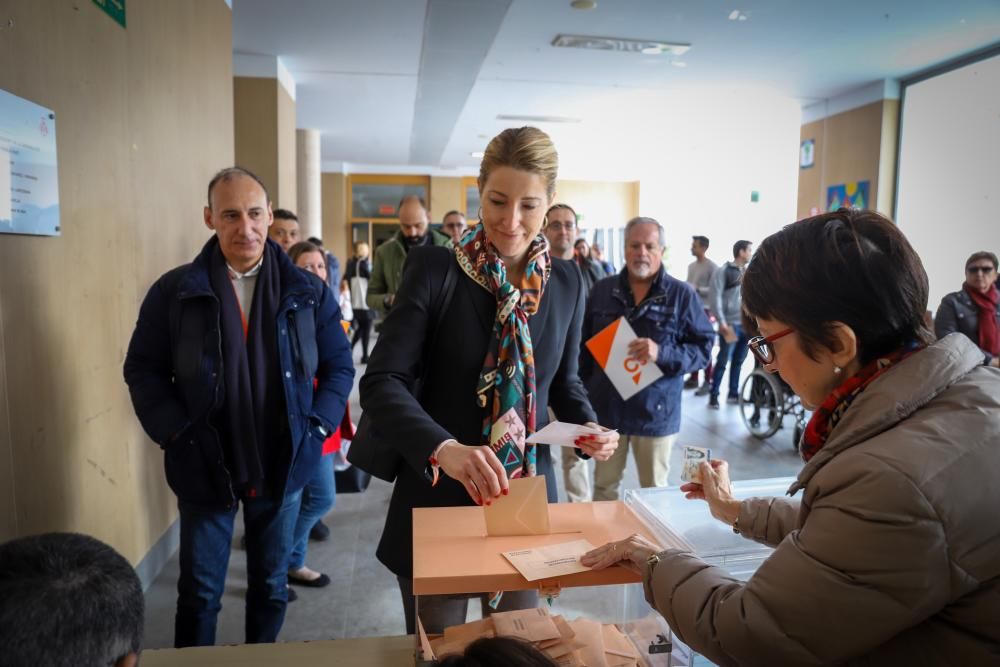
(113, 8)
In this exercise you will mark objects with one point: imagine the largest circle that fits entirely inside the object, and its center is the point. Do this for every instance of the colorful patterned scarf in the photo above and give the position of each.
(507, 382)
(826, 417)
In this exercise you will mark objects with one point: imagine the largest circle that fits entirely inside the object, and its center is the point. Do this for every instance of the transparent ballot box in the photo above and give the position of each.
(453, 555)
(668, 515)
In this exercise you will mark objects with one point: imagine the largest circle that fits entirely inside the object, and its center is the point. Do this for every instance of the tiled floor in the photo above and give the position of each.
(363, 599)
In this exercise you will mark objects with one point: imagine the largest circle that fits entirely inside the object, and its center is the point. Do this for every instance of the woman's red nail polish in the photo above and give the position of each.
(506, 491)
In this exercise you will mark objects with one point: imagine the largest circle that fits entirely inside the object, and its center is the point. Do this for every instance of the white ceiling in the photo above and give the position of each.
(417, 84)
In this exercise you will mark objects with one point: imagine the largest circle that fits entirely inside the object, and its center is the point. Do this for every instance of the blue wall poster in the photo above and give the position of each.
(29, 183)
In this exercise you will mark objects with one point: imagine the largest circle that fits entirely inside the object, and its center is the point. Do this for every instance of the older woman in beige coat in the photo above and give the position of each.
(891, 556)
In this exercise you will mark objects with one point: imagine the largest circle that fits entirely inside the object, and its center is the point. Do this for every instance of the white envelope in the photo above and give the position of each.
(562, 434)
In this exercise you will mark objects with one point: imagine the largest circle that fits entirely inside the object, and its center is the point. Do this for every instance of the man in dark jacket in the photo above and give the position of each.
(673, 332)
(220, 369)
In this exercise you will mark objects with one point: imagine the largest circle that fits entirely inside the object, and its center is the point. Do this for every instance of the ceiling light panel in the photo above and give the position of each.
(623, 44)
(536, 119)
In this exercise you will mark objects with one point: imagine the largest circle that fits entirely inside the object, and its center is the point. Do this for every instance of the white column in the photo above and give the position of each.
(308, 166)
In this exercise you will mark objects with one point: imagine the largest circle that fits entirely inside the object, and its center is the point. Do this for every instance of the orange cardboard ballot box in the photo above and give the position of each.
(452, 552)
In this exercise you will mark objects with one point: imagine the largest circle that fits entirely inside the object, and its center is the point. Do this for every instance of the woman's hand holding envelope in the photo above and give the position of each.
(599, 447)
(477, 468)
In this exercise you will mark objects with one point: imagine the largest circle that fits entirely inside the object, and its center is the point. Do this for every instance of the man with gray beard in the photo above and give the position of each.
(672, 332)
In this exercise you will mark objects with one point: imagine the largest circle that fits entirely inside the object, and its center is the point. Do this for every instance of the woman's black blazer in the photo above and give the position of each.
(448, 368)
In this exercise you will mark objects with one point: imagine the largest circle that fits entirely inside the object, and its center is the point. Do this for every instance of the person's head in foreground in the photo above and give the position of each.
(309, 256)
(831, 294)
(498, 652)
(68, 600)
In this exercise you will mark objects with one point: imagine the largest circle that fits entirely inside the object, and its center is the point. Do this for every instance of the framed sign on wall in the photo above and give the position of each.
(29, 183)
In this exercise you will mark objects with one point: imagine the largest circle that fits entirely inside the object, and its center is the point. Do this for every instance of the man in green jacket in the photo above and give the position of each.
(387, 269)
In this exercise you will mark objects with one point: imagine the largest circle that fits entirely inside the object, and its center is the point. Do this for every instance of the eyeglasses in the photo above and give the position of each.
(986, 268)
(762, 348)
(568, 226)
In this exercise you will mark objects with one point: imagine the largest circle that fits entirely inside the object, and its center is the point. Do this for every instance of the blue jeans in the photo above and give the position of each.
(206, 540)
(318, 497)
(735, 352)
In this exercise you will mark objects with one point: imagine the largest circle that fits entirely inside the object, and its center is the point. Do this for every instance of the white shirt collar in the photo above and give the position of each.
(236, 275)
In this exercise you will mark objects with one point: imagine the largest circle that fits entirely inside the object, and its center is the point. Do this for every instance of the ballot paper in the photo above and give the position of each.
(524, 511)
(562, 434)
(610, 349)
(691, 467)
(533, 625)
(551, 560)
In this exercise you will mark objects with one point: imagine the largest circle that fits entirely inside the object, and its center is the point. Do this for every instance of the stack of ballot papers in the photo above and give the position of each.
(578, 643)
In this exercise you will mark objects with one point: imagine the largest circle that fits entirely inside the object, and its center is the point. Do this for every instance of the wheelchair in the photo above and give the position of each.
(765, 401)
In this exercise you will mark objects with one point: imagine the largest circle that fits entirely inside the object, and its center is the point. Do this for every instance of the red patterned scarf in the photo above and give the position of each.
(989, 328)
(826, 417)
(507, 382)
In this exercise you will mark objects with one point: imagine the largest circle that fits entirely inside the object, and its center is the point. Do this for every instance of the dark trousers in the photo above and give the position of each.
(362, 330)
(206, 540)
(735, 352)
(438, 612)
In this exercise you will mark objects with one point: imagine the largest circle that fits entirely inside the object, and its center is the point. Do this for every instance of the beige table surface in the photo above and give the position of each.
(374, 651)
(453, 554)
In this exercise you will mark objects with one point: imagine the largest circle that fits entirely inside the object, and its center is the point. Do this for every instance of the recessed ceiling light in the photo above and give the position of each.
(737, 15)
(477, 154)
(537, 119)
(678, 63)
(627, 45)
(583, 4)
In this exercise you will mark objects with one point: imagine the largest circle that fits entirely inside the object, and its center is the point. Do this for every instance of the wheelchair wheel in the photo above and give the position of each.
(762, 404)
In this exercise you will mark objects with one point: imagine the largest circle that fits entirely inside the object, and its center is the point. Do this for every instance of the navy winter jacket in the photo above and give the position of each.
(673, 316)
(174, 373)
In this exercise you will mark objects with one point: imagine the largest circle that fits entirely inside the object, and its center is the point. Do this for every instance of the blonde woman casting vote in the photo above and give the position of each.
(488, 363)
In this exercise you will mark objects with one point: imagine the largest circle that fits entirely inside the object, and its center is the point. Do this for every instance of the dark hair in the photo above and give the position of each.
(701, 240)
(285, 214)
(976, 256)
(452, 212)
(67, 599)
(228, 174)
(851, 266)
(739, 247)
(315, 241)
(576, 218)
(301, 248)
(407, 198)
(498, 652)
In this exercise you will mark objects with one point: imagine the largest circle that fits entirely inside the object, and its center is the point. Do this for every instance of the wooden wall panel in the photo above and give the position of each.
(855, 145)
(600, 203)
(255, 108)
(144, 117)
(446, 195)
(336, 235)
